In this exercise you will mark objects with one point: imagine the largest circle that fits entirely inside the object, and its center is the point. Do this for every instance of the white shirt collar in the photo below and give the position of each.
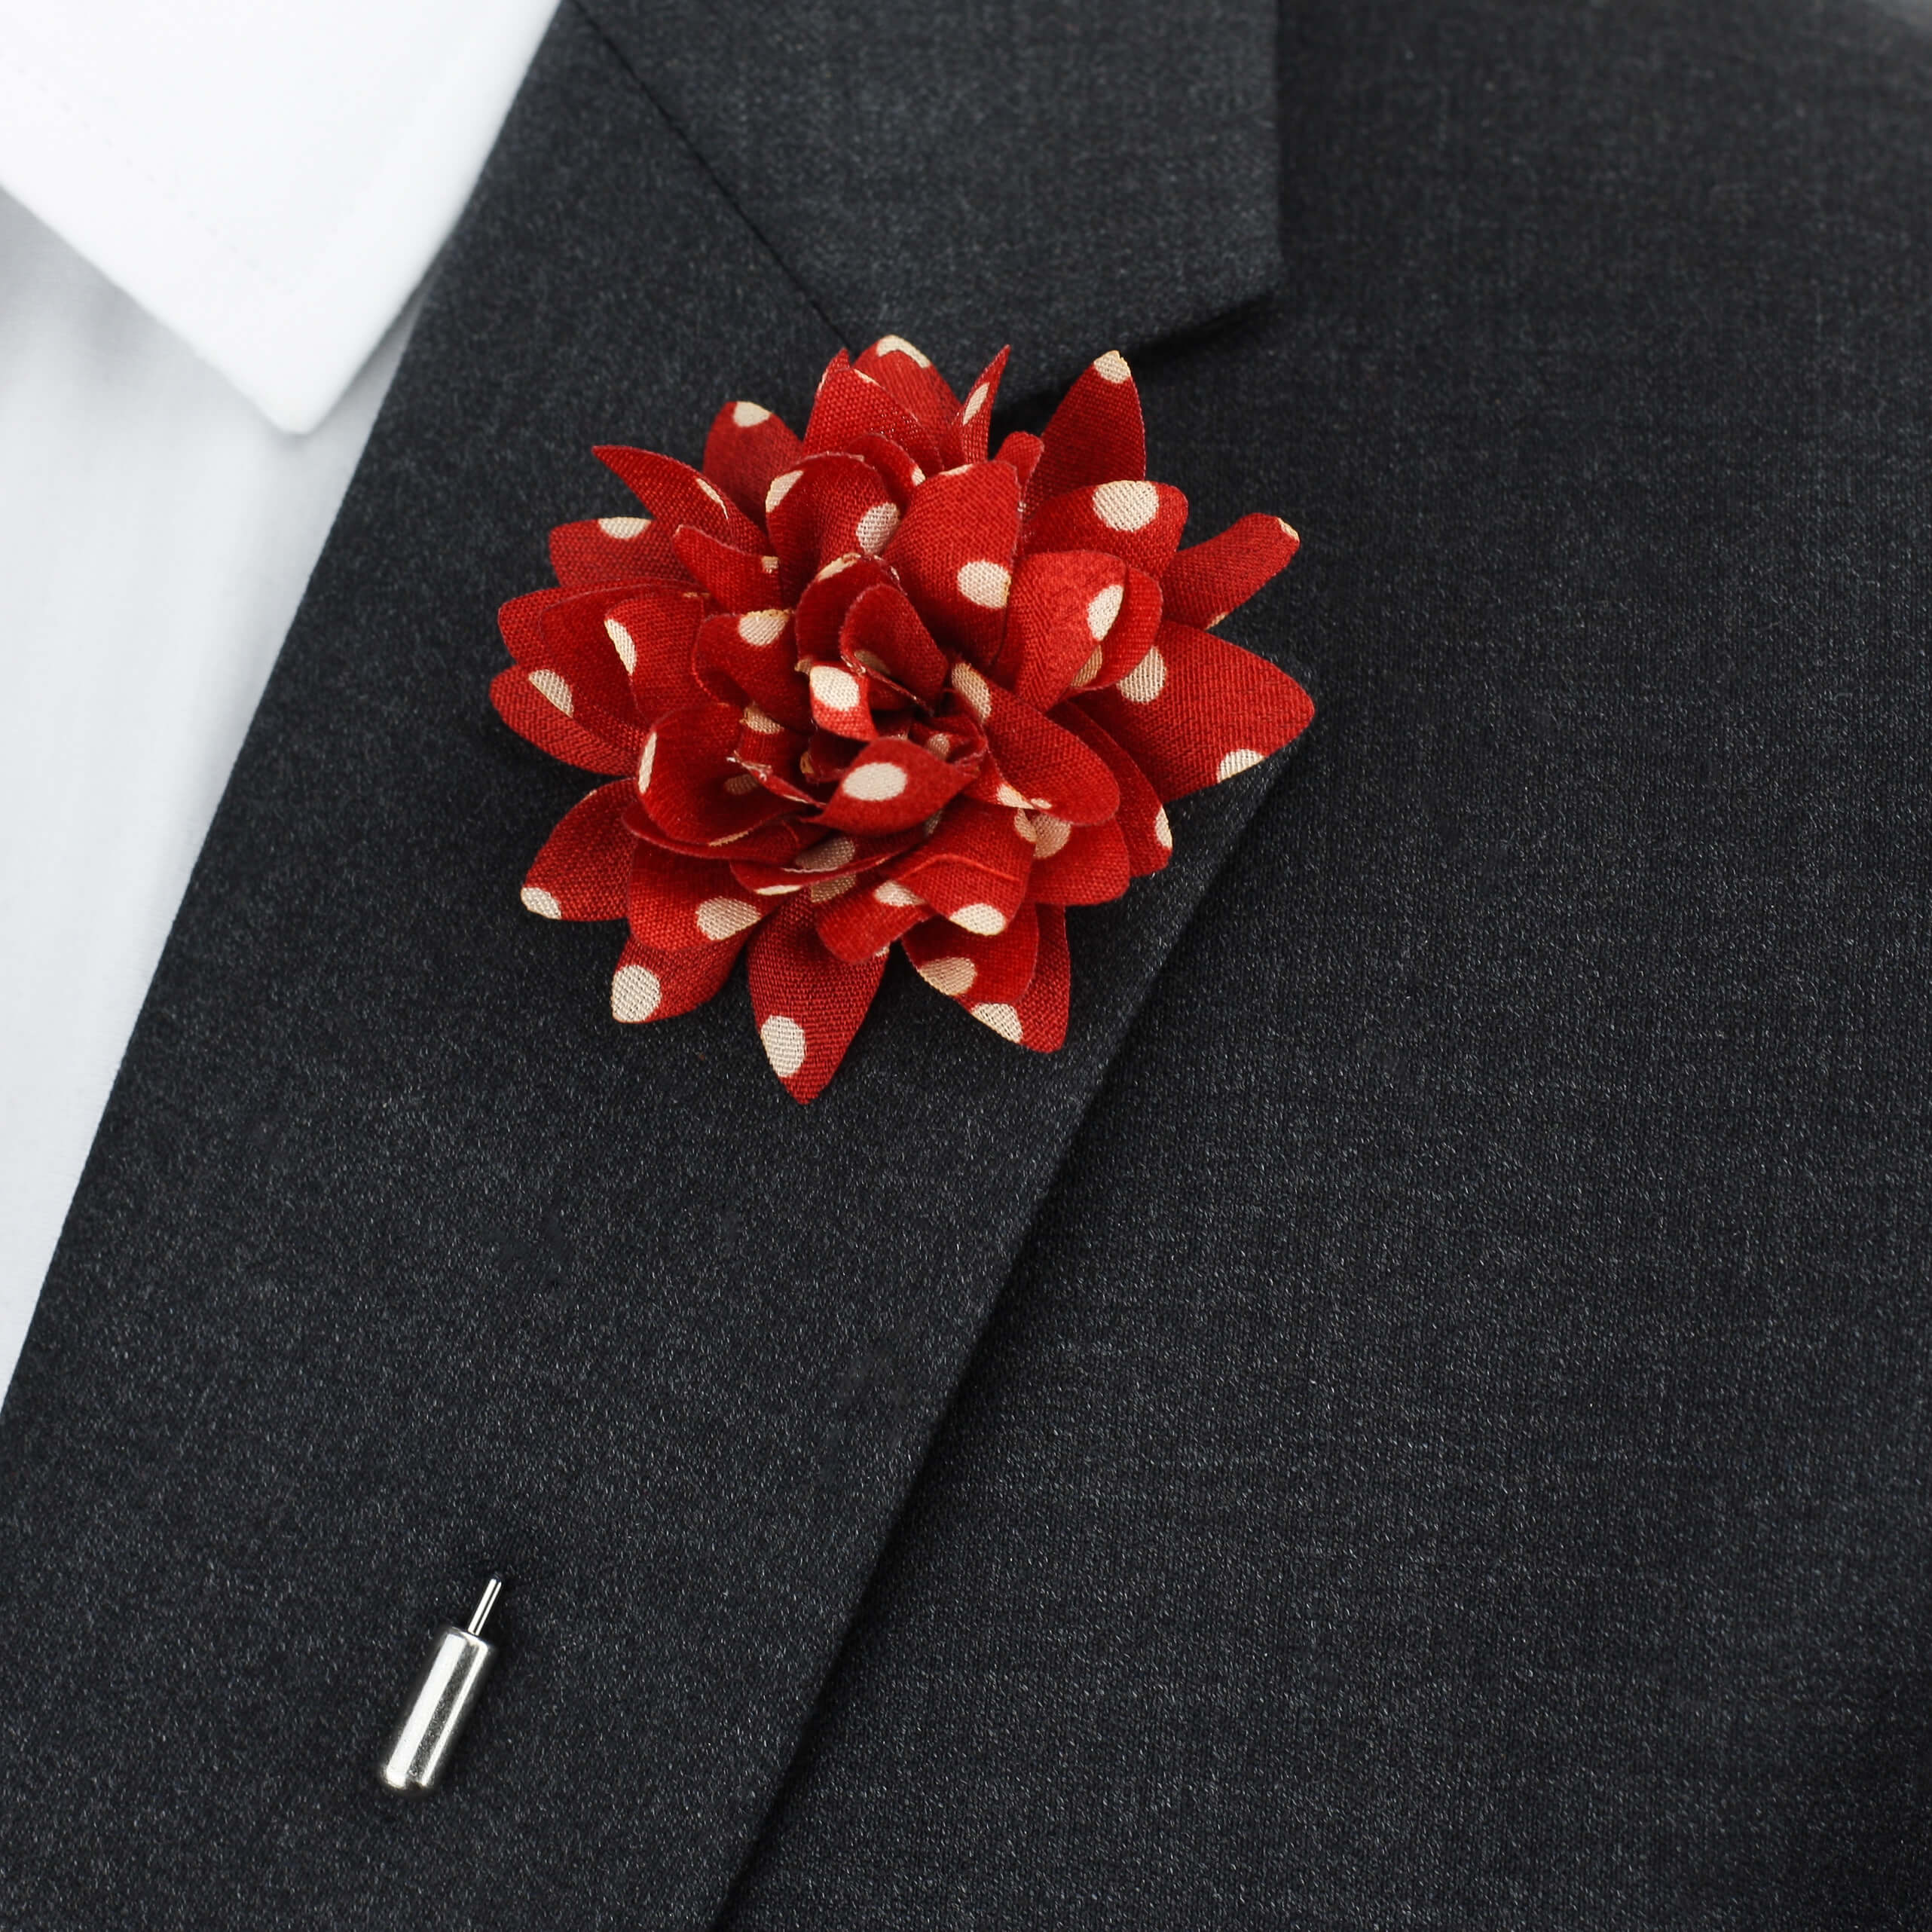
(271, 182)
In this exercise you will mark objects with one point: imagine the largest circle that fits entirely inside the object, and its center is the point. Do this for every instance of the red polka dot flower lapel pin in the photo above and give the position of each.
(880, 687)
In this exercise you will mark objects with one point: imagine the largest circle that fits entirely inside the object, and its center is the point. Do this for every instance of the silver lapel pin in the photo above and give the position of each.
(441, 1702)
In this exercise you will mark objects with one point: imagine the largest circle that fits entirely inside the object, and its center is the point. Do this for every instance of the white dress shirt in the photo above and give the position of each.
(234, 202)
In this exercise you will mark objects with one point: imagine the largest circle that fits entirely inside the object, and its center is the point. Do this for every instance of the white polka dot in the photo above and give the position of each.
(985, 583)
(939, 745)
(1126, 505)
(1006, 795)
(1288, 529)
(878, 780)
(918, 475)
(1112, 367)
(762, 627)
(1001, 1017)
(777, 891)
(636, 993)
(1163, 832)
(756, 720)
(623, 528)
(898, 345)
(873, 663)
(932, 823)
(780, 489)
(952, 975)
(626, 649)
(875, 527)
(824, 889)
(1025, 826)
(1102, 610)
(785, 1044)
(769, 565)
(749, 415)
(645, 763)
(718, 919)
(980, 918)
(711, 490)
(1049, 834)
(550, 684)
(1090, 670)
(974, 404)
(827, 855)
(1147, 680)
(974, 689)
(542, 904)
(837, 690)
(1241, 760)
(737, 785)
(891, 893)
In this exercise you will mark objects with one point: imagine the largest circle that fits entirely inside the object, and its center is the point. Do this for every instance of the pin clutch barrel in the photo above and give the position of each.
(441, 1702)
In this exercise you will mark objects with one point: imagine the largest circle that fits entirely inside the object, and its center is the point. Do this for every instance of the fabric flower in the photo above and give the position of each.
(878, 686)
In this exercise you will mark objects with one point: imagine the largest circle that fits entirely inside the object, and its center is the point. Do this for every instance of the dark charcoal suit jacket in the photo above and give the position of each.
(1419, 1415)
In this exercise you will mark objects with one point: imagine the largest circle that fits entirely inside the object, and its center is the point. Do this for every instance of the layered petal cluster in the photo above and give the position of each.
(880, 687)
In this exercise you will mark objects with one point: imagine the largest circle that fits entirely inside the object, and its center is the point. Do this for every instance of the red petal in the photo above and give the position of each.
(675, 493)
(746, 448)
(808, 1001)
(1139, 522)
(1064, 603)
(656, 632)
(1078, 865)
(677, 904)
(965, 440)
(1129, 638)
(824, 602)
(584, 870)
(1206, 581)
(900, 475)
(652, 984)
(819, 859)
(531, 713)
(891, 786)
(1044, 766)
(1198, 709)
(1023, 452)
(581, 646)
(1040, 1012)
(1141, 818)
(521, 621)
(829, 506)
(748, 658)
(973, 870)
(869, 917)
(1095, 434)
(972, 969)
(954, 556)
(912, 381)
(737, 578)
(690, 785)
(841, 700)
(850, 405)
(613, 550)
(882, 631)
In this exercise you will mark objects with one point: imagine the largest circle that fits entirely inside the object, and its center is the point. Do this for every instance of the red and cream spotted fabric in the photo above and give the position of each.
(878, 686)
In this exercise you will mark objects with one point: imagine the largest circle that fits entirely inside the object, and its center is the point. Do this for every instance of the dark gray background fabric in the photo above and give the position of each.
(397, 1260)
(1056, 173)
(1454, 1450)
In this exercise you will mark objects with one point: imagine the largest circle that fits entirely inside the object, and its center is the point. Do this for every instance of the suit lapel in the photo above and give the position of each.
(396, 1260)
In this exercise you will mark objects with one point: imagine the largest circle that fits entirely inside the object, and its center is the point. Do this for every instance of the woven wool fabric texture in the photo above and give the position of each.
(1453, 1449)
